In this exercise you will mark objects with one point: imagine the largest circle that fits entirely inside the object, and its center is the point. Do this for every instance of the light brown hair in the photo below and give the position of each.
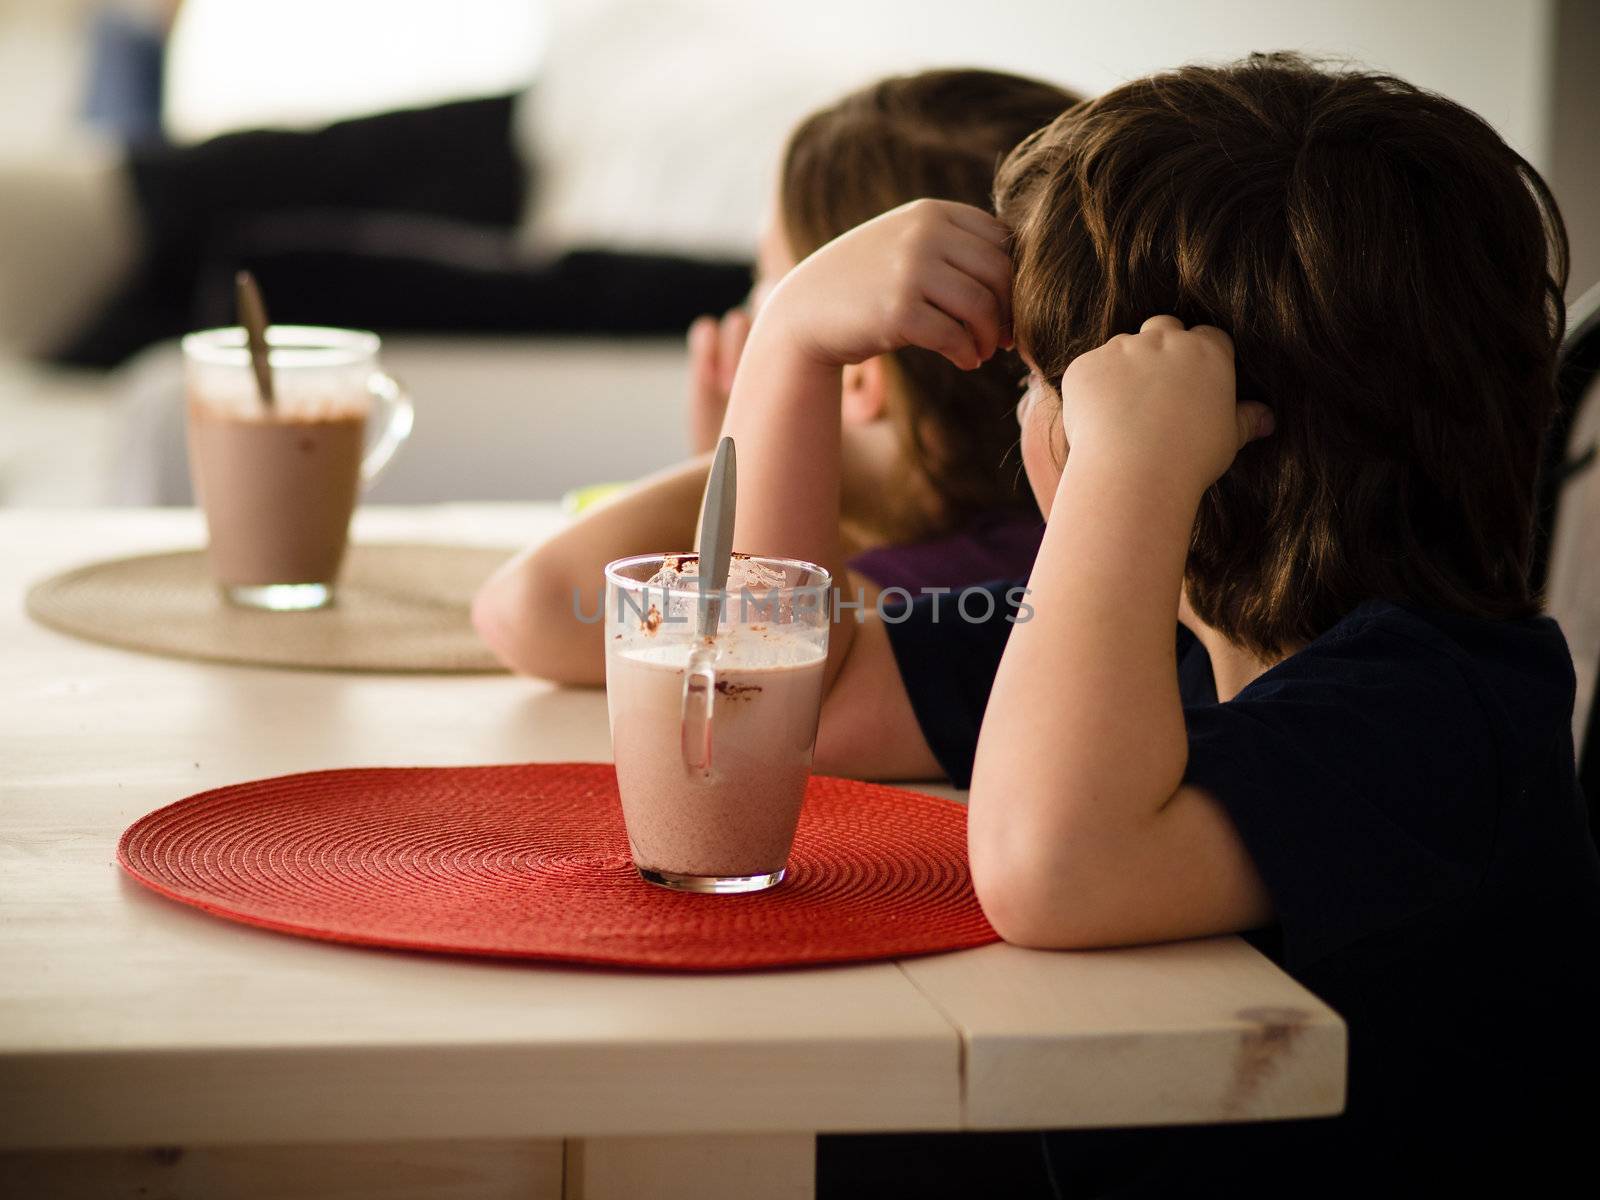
(1391, 273)
(940, 135)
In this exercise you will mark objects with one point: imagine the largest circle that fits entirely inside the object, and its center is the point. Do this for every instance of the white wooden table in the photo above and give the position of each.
(144, 1044)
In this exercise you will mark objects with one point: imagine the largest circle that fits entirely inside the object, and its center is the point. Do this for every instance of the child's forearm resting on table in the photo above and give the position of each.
(527, 612)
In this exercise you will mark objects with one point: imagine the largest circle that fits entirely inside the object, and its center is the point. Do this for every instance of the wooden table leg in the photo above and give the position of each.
(777, 1166)
(490, 1169)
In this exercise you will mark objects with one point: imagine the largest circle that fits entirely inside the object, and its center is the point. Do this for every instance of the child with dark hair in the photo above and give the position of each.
(1291, 336)
(924, 497)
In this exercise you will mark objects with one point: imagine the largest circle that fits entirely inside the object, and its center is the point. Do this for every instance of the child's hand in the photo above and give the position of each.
(714, 349)
(1162, 398)
(931, 273)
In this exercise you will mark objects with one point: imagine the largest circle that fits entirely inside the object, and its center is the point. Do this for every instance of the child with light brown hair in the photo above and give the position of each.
(925, 494)
(1291, 337)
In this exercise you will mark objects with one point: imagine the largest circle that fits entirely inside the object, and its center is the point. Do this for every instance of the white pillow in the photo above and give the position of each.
(658, 126)
(247, 64)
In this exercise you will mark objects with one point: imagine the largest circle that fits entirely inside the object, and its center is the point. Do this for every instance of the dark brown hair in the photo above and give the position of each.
(1391, 274)
(937, 134)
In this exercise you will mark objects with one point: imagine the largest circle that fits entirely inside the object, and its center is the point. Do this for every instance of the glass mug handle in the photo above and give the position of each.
(699, 689)
(391, 397)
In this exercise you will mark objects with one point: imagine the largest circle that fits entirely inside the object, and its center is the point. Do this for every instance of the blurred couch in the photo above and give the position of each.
(501, 414)
(508, 416)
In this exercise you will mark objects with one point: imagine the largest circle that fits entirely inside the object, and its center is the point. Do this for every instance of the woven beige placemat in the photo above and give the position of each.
(398, 608)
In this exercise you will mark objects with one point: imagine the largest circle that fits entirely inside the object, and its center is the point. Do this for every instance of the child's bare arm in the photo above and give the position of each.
(1082, 831)
(527, 612)
(930, 274)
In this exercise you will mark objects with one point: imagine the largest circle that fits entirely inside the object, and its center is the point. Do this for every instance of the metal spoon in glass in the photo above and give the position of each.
(713, 553)
(716, 535)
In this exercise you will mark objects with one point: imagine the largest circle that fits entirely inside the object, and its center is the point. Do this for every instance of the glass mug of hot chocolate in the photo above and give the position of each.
(713, 736)
(279, 481)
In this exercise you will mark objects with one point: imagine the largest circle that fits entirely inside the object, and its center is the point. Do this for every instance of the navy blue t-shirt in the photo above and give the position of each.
(1405, 786)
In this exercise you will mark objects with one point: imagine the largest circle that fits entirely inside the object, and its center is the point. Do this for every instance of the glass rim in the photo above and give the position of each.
(288, 346)
(614, 568)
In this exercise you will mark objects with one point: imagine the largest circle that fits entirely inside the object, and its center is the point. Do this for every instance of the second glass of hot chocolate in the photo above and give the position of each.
(279, 480)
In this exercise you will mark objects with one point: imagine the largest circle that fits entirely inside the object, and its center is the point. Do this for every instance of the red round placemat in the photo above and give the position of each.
(531, 861)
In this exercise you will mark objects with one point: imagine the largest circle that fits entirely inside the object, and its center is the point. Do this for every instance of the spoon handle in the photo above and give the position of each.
(716, 534)
(253, 316)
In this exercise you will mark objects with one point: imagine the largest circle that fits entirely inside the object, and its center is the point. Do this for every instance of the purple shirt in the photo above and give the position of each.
(998, 545)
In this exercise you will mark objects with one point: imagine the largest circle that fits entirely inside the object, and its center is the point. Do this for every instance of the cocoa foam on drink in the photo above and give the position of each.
(673, 595)
(736, 817)
(278, 486)
(744, 571)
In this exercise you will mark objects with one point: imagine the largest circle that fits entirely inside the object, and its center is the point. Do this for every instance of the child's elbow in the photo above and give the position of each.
(493, 616)
(1037, 890)
(1018, 908)
(1027, 912)
(520, 619)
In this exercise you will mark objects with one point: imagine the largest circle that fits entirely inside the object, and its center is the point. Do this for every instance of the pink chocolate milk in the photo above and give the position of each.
(278, 488)
(737, 816)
